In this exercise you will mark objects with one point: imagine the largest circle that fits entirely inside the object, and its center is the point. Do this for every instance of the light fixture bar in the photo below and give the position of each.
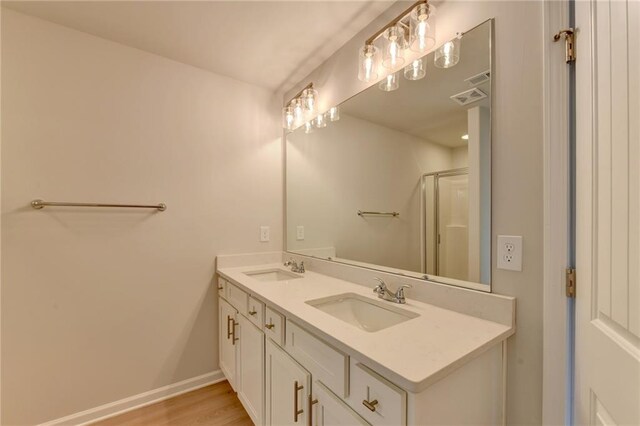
(394, 22)
(308, 86)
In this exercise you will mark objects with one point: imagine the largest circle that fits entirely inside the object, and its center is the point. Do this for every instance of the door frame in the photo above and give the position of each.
(559, 217)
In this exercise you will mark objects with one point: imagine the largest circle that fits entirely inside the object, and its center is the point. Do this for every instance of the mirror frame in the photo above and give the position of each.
(484, 287)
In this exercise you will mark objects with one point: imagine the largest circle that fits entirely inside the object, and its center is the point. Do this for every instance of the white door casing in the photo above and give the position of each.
(607, 388)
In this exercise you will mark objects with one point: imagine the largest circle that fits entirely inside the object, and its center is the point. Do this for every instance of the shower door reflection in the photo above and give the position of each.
(446, 224)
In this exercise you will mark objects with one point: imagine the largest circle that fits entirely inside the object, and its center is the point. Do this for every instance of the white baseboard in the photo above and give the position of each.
(121, 406)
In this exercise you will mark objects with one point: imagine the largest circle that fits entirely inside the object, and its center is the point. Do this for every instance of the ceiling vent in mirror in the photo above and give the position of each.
(469, 96)
(479, 78)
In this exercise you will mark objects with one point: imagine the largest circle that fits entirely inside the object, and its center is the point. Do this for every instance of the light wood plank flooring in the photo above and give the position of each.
(215, 405)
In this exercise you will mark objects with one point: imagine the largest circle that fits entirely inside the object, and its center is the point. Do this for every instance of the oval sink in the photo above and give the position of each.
(274, 274)
(364, 313)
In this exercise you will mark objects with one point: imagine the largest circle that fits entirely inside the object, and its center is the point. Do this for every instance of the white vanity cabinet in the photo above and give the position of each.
(242, 349)
(287, 389)
(227, 348)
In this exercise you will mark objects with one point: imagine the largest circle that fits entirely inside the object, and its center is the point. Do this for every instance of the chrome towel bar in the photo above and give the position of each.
(362, 213)
(39, 204)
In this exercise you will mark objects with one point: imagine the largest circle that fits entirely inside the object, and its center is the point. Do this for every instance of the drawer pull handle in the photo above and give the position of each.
(312, 402)
(233, 331)
(370, 405)
(296, 411)
(269, 326)
(253, 312)
(228, 327)
(220, 288)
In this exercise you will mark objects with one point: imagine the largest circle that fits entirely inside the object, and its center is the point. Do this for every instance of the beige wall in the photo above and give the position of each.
(99, 305)
(516, 164)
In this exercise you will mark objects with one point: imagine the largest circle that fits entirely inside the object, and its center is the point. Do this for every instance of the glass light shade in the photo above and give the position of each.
(368, 63)
(308, 127)
(298, 113)
(390, 83)
(447, 55)
(393, 45)
(288, 121)
(333, 114)
(309, 97)
(422, 28)
(320, 122)
(415, 70)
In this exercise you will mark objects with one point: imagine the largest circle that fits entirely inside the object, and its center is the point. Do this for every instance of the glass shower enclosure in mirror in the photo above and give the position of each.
(400, 180)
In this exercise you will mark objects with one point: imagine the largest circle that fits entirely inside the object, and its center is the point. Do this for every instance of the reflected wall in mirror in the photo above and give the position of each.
(401, 181)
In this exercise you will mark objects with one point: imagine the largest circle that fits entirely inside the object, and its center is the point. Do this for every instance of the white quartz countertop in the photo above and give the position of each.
(413, 354)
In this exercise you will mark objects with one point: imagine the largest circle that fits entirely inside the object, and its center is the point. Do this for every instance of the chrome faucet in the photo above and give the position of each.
(294, 266)
(384, 293)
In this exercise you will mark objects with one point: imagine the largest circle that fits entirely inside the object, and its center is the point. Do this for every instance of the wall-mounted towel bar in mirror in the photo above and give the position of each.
(39, 204)
(362, 213)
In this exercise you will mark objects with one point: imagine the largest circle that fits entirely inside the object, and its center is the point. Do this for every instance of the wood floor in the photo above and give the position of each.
(214, 405)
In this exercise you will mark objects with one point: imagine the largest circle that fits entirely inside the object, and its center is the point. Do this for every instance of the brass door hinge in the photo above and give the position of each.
(570, 43)
(571, 283)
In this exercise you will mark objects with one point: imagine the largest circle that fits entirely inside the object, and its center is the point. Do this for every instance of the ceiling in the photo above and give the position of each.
(423, 108)
(272, 44)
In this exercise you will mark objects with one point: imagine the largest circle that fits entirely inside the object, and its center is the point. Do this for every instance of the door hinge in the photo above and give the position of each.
(571, 282)
(570, 43)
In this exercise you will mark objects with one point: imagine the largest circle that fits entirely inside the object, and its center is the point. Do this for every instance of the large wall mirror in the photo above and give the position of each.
(401, 181)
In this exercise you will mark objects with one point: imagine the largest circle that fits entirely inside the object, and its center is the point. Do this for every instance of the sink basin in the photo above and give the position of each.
(274, 274)
(364, 313)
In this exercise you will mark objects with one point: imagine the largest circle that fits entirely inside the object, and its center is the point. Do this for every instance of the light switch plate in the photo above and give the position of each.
(300, 233)
(264, 234)
(510, 252)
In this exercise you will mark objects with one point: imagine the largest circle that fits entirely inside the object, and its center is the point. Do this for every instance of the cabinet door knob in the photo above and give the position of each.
(269, 326)
(371, 405)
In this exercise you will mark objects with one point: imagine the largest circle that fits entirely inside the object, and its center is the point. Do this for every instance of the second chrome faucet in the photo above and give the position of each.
(384, 293)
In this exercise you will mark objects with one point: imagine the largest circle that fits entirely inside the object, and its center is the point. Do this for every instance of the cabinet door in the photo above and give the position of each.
(330, 410)
(287, 389)
(250, 369)
(226, 321)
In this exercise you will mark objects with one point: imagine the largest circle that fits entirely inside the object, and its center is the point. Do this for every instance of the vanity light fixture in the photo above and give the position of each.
(448, 55)
(414, 27)
(320, 121)
(333, 114)
(415, 70)
(390, 83)
(308, 127)
(301, 108)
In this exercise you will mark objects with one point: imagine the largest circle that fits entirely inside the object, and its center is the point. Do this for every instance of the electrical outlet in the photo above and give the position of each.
(300, 233)
(510, 252)
(264, 234)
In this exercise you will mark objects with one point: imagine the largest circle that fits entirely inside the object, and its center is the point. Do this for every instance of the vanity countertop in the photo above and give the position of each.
(413, 354)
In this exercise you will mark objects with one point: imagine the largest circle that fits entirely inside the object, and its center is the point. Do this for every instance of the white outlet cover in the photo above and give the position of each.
(300, 233)
(264, 234)
(510, 252)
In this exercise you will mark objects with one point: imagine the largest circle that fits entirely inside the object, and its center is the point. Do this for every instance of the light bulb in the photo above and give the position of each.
(288, 120)
(393, 50)
(308, 127)
(415, 70)
(333, 114)
(298, 113)
(448, 54)
(422, 28)
(390, 83)
(309, 97)
(320, 122)
(368, 63)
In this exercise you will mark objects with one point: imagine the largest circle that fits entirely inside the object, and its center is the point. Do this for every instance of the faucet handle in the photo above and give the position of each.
(400, 291)
(380, 287)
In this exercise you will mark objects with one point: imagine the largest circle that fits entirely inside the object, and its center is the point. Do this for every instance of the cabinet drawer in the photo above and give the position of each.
(238, 298)
(376, 399)
(256, 312)
(324, 362)
(274, 326)
(222, 287)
